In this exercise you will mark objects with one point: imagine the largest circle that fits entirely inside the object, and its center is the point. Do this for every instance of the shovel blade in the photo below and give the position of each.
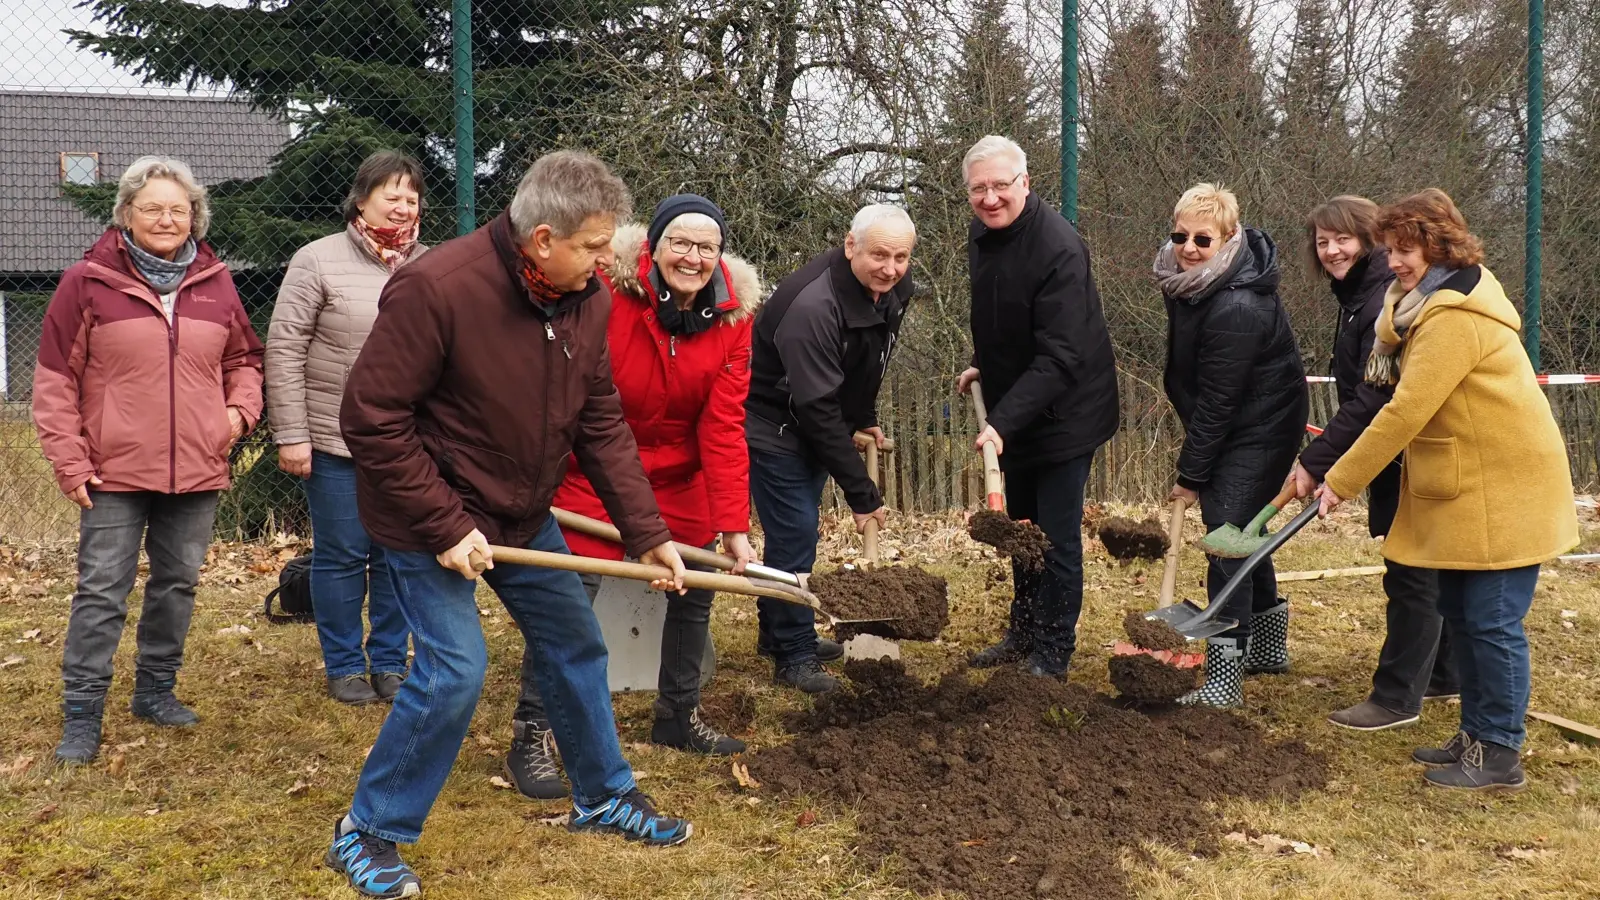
(1230, 542)
(1190, 621)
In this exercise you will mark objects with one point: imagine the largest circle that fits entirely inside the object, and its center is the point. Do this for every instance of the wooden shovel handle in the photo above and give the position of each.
(870, 534)
(711, 581)
(1169, 574)
(994, 492)
(606, 531)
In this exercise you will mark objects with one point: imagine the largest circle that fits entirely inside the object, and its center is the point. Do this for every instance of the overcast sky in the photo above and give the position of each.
(35, 55)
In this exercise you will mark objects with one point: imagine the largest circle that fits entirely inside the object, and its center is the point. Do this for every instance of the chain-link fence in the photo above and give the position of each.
(791, 113)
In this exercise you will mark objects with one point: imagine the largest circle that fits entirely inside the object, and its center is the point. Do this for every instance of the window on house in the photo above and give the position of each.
(80, 168)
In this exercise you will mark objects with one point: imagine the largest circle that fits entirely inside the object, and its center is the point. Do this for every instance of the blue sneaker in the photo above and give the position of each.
(633, 816)
(372, 865)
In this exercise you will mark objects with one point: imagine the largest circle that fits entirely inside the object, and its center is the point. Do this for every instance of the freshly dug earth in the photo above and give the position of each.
(1143, 678)
(1126, 539)
(918, 601)
(1024, 542)
(1151, 634)
(1022, 786)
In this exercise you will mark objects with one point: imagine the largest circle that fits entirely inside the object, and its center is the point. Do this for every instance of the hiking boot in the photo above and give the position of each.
(1224, 684)
(1266, 651)
(807, 675)
(154, 701)
(387, 684)
(1369, 716)
(534, 763)
(827, 650)
(1483, 767)
(371, 864)
(1448, 755)
(80, 730)
(632, 815)
(685, 730)
(1008, 651)
(352, 690)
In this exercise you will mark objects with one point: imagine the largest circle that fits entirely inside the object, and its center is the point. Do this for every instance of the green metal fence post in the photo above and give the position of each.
(1535, 191)
(1069, 110)
(461, 64)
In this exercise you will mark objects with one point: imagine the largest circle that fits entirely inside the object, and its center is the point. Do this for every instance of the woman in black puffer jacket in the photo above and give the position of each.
(1235, 377)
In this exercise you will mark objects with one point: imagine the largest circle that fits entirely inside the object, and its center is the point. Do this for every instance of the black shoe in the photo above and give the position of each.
(352, 690)
(387, 684)
(534, 763)
(372, 865)
(632, 815)
(827, 650)
(1039, 667)
(154, 701)
(80, 731)
(807, 675)
(1483, 767)
(1441, 693)
(1369, 716)
(1448, 755)
(685, 730)
(1005, 653)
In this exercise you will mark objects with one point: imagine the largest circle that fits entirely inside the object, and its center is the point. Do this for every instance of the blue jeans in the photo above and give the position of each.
(1484, 611)
(788, 495)
(1045, 605)
(422, 736)
(342, 556)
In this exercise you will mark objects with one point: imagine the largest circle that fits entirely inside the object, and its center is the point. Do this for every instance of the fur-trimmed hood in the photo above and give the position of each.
(632, 262)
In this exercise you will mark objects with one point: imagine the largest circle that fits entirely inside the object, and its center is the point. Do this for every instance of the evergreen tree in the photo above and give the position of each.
(1224, 116)
(1313, 137)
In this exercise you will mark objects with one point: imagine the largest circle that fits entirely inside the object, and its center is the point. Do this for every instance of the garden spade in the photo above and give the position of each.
(1232, 542)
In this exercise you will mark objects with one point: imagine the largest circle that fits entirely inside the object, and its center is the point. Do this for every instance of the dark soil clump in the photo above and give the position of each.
(734, 712)
(918, 601)
(1022, 786)
(1142, 678)
(1151, 634)
(1024, 542)
(1126, 539)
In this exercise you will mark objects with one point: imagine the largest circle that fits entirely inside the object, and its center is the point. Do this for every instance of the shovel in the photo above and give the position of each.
(993, 487)
(869, 537)
(1169, 573)
(1195, 623)
(1232, 542)
(700, 556)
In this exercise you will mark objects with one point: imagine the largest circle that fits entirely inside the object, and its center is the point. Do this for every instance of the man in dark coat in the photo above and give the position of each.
(1042, 353)
(487, 367)
(822, 343)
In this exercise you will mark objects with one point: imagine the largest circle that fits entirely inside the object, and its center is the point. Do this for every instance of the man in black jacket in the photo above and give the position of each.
(822, 342)
(1042, 353)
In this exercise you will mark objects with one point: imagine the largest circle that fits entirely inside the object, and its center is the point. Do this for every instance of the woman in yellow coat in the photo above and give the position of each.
(1486, 492)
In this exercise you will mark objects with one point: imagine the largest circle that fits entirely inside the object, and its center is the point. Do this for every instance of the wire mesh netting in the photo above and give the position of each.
(791, 114)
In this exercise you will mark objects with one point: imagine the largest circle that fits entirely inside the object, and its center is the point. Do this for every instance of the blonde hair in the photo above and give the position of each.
(148, 168)
(1210, 201)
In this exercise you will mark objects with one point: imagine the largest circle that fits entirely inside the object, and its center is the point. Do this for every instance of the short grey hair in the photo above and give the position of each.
(881, 214)
(691, 220)
(149, 168)
(562, 190)
(993, 147)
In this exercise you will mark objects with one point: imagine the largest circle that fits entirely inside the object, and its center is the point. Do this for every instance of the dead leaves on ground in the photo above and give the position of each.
(1274, 844)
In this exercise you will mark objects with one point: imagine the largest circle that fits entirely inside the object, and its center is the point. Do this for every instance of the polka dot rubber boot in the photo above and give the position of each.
(1224, 684)
(1266, 651)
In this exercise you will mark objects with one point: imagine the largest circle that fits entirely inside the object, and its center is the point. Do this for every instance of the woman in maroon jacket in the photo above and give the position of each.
(679, 333)
(148, 372)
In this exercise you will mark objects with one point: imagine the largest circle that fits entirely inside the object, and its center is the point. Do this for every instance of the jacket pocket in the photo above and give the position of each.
(1433, 468)
(487, 481)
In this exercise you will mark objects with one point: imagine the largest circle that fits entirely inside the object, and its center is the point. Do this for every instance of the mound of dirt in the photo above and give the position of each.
(1151, 634)
(917, 600)
(735, 712)
(1024, 542)
(1143, 678)
(1126, 539)
(1022, 786)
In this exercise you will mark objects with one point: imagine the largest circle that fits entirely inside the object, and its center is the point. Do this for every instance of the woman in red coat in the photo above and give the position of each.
(680, 356)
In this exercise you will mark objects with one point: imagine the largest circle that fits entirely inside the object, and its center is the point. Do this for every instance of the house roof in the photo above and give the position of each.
(40, 230)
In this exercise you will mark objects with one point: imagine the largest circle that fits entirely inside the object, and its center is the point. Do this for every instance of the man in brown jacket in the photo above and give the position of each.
(485, 374)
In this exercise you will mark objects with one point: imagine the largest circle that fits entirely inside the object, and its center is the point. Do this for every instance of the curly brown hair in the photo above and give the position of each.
(1344, 214)
(1429, 219)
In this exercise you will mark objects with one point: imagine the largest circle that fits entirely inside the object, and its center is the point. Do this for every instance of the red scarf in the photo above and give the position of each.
(392, 245)
(538, 284)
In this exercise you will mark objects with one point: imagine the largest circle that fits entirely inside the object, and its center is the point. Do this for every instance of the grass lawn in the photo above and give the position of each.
(242, 806)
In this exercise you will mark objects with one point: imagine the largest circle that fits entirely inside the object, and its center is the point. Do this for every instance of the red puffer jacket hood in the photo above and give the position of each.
(683, 398)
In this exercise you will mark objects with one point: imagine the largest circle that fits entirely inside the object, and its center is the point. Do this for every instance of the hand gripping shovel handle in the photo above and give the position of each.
(1206, 624)
(700, 556)
(1169, 574)
(729, 584)
(994, 494)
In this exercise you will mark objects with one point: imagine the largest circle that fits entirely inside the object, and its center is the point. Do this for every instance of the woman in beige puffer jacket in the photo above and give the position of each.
(325, 310)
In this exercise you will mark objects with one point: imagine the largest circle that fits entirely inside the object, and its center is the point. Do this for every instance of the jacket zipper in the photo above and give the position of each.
(550, 335)
(172, 394)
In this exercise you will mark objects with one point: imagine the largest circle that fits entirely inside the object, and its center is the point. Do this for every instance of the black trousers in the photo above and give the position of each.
(1416, 654)
(1045, 605)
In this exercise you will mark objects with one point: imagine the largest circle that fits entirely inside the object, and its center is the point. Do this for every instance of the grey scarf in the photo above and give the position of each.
(163, 274)
(1192, 283)
(1383, 366)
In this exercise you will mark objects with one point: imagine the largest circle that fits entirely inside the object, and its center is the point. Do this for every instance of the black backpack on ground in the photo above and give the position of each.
(293, 592)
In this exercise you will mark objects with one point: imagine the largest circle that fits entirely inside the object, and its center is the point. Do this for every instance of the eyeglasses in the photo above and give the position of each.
(999, 187)
(154, 213)
(1200, 240)
(683, 246)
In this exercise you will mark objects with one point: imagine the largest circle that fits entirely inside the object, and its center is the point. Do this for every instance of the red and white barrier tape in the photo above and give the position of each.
(1542, 379)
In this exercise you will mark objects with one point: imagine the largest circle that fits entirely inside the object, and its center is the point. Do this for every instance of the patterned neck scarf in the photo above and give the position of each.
(162, 274)
(538, 284)
(392, 245)
(1400, 311)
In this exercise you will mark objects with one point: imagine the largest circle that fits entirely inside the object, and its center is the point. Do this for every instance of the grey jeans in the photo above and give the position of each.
(109, 536)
